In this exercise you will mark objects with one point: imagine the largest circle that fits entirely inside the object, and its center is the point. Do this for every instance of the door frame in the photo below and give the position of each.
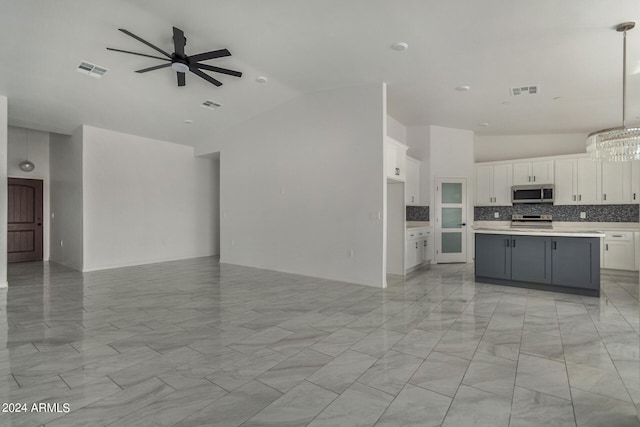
(441, 258)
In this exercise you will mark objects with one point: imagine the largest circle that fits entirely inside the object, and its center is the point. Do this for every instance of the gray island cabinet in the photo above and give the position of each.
(547, 262)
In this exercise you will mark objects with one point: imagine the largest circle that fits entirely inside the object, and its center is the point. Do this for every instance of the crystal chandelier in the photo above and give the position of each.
(620, 144)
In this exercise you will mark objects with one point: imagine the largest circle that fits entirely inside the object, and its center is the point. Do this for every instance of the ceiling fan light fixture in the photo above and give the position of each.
(180, 67)
(619, 144)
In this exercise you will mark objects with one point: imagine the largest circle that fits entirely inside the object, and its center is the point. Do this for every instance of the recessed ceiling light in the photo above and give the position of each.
(483, 124)
(463, 88)
(261, 79)
(188, 122)
(400, 46)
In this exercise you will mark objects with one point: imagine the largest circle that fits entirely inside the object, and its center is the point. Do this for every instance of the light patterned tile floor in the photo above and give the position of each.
(198, 343)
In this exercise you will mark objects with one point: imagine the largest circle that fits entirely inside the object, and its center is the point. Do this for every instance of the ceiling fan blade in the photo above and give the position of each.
(209, 55)
(129, 33)
(178, 41)
(218, 70)
(157, 67)
(208, 78)
(181, 79)
(136, 53)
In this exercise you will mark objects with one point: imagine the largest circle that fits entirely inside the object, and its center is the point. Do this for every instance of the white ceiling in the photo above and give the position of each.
(567, 47)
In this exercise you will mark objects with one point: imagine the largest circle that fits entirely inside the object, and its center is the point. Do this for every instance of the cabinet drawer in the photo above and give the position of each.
(619, 235)
(417, 233)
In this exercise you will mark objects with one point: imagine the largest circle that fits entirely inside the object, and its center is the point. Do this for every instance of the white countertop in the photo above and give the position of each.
(417, 224)
(558, 232)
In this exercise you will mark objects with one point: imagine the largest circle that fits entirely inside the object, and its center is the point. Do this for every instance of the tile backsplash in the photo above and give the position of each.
(566, 213)
(417, 213)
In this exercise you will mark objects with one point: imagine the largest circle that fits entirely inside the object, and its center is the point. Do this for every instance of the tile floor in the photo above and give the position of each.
(195, 343)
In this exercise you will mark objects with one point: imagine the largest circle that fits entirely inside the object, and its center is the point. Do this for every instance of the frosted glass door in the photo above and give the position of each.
(451, 219)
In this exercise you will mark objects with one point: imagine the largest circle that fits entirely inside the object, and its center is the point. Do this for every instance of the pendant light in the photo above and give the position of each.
(620, 144)
(26, 165)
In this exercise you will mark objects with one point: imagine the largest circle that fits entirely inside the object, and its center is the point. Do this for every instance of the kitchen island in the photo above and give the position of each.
(545, 259)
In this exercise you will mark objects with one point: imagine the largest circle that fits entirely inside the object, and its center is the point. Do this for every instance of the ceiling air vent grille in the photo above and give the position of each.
(92, 70)
(211, 104)
(524, 90)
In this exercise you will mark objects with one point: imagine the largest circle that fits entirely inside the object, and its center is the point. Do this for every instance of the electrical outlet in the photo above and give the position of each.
(61, 243)
(496, 214)
(583, 215)
(350, 253)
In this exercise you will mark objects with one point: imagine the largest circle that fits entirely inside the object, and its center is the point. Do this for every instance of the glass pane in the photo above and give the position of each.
(451, 217)
(451, 192)
(451, 243)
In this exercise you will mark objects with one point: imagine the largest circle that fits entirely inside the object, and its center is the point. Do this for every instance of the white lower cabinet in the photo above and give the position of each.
(619, 250)
(417, 247)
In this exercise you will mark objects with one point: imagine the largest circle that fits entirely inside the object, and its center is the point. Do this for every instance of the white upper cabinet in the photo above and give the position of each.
(576, 182)
(412, 183)
(538, 172)
(565, 178)
(616, 183)
(394, 159)
(588, 181)
(493, 185)
(635, 181)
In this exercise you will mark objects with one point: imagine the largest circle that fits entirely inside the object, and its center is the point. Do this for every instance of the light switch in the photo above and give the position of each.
(496, 214)
(583, 215)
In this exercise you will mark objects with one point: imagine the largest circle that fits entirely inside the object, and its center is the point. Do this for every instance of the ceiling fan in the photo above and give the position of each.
(181, 62)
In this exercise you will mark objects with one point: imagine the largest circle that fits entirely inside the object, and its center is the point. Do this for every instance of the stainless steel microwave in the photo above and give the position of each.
(541, 193)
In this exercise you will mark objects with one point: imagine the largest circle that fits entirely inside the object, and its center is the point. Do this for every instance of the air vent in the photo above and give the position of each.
(524, 90)
(211, 104)
(92, 70)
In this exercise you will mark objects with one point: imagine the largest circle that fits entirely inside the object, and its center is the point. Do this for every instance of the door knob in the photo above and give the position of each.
(463, 224)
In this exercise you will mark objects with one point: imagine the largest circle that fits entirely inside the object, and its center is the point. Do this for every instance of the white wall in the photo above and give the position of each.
(3, 191)
(396, 130)
(65, 170)
(39, 155)
(302, 186)
(508, 147)
(145, 201)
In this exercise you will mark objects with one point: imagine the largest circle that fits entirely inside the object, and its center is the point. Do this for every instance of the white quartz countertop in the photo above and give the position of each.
(417, 224)
(558, 232)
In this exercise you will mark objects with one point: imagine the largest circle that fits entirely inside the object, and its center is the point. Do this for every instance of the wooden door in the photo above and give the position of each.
(24, 239)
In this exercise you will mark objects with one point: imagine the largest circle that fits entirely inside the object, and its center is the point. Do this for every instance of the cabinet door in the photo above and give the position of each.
(565, 181)
(401, 164)
(484, 185)
(410, 254)
(635, 181)
(522, 174)
(542, 172)
(588, 182)
(390, 160)
(575, 261)
(412, 184)
(619, 251)
(616, 181)
(531, 259)
(502, 175)
(493, 256)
